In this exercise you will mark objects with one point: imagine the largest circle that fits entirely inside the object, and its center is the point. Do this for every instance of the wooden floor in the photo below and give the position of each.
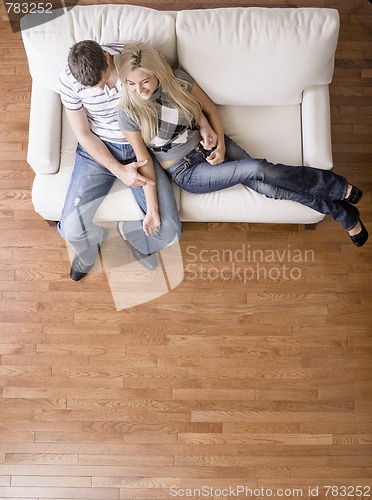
(217, 385)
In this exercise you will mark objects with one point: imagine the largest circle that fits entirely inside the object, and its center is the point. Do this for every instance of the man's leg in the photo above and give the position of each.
(90, 183)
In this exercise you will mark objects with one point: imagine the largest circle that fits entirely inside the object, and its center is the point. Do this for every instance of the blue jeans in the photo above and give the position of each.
(90, 183)
(322, 190)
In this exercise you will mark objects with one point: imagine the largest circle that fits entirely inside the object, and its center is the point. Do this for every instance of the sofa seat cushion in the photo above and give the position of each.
(250, 127)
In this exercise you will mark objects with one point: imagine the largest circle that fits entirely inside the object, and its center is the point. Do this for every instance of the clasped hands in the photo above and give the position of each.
(209, 141)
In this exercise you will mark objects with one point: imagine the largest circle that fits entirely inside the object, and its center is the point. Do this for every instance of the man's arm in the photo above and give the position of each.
(95, 147)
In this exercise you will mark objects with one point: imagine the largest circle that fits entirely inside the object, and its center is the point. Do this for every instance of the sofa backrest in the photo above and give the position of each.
(249, 56)
(258, 56)
(47, 44)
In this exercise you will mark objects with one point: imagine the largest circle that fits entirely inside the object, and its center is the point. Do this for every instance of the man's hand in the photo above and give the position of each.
(96, 148)
(131, 177)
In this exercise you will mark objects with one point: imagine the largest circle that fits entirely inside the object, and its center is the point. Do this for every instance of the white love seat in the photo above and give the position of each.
(268, 70)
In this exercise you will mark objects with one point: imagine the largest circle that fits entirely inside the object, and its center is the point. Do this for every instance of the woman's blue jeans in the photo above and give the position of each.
(322, 190)
(90, 183)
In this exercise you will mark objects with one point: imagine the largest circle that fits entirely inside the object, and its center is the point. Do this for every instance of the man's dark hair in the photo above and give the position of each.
(87, 61)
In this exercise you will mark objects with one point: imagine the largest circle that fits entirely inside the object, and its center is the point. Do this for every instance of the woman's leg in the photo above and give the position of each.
(339, 210)
(170, 230)
(309, 181)
(196, 175)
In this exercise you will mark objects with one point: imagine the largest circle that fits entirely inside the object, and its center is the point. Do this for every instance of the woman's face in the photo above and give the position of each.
(141, 82)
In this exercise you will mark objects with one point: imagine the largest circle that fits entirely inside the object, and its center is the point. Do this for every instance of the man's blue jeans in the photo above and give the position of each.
(322, 190)
(90, 183)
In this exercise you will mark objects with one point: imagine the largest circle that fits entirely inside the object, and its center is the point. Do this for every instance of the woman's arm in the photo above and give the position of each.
(151, 222)
(211, 112)
(208, 135)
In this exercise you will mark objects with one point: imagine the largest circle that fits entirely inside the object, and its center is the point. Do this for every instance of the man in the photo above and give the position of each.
(90, 90)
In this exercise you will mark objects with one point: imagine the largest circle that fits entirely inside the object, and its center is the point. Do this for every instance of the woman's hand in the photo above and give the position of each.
(151, 223)
(208, 136)
(217, 156)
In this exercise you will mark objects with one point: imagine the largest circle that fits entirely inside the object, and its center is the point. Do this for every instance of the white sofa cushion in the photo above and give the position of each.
(250, 127)
(257, 56)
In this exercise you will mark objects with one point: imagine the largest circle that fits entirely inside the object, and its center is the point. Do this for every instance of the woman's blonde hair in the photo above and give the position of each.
(143, 112)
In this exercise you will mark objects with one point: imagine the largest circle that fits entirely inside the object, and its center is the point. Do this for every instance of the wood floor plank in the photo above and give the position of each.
(257, 379)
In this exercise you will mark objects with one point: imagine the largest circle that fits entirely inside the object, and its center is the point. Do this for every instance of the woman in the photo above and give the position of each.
(167, 113)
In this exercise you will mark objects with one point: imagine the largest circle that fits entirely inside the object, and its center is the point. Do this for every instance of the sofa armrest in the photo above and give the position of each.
(44, 145)
(316, 127)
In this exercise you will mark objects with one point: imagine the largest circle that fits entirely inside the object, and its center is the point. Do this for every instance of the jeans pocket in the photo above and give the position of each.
(181, 169)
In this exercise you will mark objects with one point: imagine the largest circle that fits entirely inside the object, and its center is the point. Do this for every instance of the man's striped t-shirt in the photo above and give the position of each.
(100, 105)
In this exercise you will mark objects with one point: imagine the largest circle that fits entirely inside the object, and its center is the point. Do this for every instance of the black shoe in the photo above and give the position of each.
(78, 269)
(148, 261)
(361, 238)
(354, 196)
